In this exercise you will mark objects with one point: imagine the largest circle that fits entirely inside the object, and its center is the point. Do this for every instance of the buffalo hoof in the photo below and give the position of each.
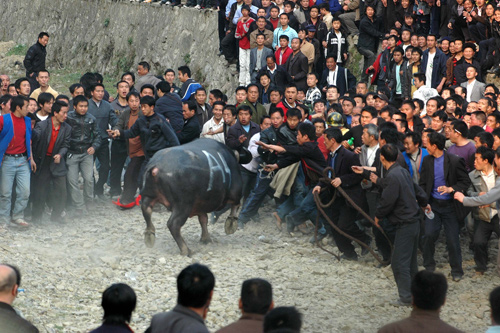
(231, 225)
(149, 238)
(206, 240)
(187, 252)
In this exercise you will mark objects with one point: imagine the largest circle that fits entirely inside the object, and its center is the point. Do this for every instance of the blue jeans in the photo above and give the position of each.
(307, 210)
(444, 215)
(297, 194)
(255, 198)
(14, 169)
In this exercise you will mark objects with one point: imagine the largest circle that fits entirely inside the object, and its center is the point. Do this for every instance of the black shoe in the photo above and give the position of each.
(366, 250)
(456, 278)
(350, 257)
(382, 265)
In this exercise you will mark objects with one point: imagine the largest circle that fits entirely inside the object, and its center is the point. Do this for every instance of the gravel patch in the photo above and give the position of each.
(67, 267)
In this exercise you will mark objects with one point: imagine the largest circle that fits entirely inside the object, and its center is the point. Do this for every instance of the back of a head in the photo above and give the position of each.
(194, 285)
(118, 302)
(389, 152)
(256, 296)
(495, 305)
(9, 277)
(284, 317)
(429, 290)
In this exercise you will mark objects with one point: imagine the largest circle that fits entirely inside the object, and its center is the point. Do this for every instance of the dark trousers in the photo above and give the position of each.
(221, 26)
(482, 234)
(255, 198)
(102, 154)
(444, 216)
(131, 183)
(404, 258)
(248, 181)
(229, 47)
(118, 157)
(344, 217)
(44, 183)
(368, 59)
(477, 31)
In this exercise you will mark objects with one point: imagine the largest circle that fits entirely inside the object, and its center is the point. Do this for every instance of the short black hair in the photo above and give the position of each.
(244, 108)
(308, 129)
(57, 106)
(495, 304)
(485, 138)
(191, 105)
(163, 86)
(218, 94)
(148, 100)
(18, 101)
(132, 93)
(128, 73)
(284, 37)
(390, 152)
(169, 70)
(370, 109)
(78, 99)
(221, 103)
(283, 317)
(17, 83)
(429, 289)
(294, 112)
(441, 115)
(148, 86)
(420, 76)
(231, 108)
(486, 153)
(184, 70)
(416, 138)
(95, 85)
(43, 34)
(460, 127)
(390, 135)
(45, 98)
(274, 110)
(73, 87)
(118, 301)
(334, 133)
(437, 139)
(145, 65)
(256, 295)
(194, 285)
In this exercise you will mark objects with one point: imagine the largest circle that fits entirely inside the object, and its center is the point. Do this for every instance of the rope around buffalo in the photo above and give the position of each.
(321, 207)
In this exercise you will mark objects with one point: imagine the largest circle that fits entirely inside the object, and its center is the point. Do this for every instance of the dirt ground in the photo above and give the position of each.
(67, 267)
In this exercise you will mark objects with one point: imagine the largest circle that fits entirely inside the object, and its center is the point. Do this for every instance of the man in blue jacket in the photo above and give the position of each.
(434, 64)
(169, 105)
(414, 154)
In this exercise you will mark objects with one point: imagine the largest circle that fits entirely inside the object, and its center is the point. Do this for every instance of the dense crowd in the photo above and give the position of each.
(415, 155)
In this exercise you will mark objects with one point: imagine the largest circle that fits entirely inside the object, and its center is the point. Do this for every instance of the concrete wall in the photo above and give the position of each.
(113, 36)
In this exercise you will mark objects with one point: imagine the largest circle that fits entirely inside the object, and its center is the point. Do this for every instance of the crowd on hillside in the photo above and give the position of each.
(416, 154)
(196, 287)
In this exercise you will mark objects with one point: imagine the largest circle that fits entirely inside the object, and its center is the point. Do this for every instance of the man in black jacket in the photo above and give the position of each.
(297, 66)
(279, 76)
(398, 203)
(85, 140)
(239, 136)
(313, 162)
(343, 214)
(34, 61)
(169, 105)
(51, 139)
(335, 75)
(442, 175)
(191, 129)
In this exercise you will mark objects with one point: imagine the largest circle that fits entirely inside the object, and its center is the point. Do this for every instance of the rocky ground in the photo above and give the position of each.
(66, 267)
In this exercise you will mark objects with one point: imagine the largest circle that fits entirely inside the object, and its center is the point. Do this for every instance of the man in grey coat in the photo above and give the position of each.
(258, 57)
(195, 286)
(144, 76)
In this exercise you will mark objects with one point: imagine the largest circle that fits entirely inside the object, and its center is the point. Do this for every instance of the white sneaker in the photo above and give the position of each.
(168, 3)
(197, 7)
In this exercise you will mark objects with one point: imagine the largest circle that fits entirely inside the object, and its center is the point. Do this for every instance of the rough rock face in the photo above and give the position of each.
(113, 36)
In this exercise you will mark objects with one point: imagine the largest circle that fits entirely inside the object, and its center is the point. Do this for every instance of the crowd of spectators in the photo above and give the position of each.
(196, 285)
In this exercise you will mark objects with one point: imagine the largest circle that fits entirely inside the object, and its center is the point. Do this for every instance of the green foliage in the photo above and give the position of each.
(130, 40)
(187, 58)
(19, 49)
(124, 63)
(106, 22)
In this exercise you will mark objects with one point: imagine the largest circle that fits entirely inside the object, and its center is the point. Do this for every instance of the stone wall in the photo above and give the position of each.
(113, 36)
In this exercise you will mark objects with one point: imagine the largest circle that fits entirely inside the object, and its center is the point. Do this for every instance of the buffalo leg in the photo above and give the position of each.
(205, 237)
(231, 224)
(175, 223)
(147, 210)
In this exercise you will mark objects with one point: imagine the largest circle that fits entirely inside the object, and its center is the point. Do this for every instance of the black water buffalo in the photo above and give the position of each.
(193, 179)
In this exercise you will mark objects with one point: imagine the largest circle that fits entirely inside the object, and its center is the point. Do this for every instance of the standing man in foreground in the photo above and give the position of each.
(398, 203)
(195, 287)
(34, 61)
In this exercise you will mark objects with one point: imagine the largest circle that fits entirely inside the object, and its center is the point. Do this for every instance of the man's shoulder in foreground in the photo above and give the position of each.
(420, 321)
(248, 323)
(180, 319)
(10, 321)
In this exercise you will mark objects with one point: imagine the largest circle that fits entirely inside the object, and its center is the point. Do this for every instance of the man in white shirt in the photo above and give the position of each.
(423, 92)
(211, 127)
(475, 89)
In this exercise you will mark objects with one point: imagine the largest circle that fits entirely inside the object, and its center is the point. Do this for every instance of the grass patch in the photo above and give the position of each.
(19, 49)
(61, 79)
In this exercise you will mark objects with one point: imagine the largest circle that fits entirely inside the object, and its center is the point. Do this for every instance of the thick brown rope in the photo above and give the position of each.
(321, 206)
